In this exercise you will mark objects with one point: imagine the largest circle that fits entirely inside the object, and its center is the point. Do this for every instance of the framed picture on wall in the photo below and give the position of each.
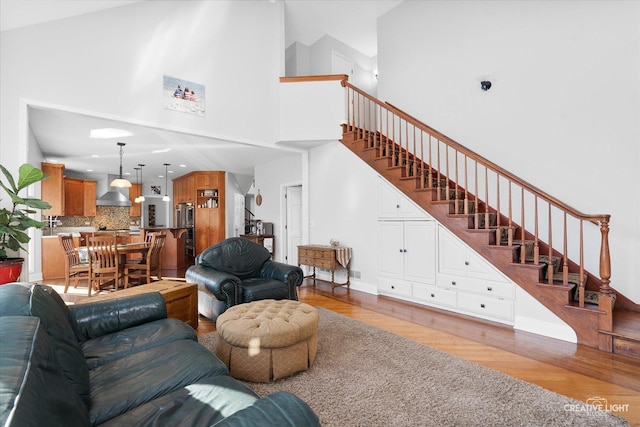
(156, 189)
(182, 95)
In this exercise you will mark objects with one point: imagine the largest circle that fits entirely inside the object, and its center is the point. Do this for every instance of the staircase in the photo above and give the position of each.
(542, 244)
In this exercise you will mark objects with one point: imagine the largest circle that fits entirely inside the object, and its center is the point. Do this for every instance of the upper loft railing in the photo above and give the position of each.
(495, 197)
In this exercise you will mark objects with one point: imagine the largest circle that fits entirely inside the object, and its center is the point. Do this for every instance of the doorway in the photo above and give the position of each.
(293, 223)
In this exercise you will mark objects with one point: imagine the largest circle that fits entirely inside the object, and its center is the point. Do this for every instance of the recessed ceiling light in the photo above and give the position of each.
(95, 155)
(161, 151)
(183, 166)
(108, 133)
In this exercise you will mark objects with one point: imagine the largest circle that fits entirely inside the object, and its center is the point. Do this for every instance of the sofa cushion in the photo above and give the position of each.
(255, 289)
(240, 257)
(33, 389)
(128, 382)
(199, 404)
(46, 304)
(106, 348)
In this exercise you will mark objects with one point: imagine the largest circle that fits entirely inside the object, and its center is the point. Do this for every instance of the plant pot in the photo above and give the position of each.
(10, 270)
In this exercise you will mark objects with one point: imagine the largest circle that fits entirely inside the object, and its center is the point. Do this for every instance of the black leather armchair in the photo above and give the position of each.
(237, 271)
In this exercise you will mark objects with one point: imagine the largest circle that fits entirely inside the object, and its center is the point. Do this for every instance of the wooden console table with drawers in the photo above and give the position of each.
(325, 256)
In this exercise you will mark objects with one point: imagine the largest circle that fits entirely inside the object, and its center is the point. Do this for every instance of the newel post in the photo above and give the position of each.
(605, 258)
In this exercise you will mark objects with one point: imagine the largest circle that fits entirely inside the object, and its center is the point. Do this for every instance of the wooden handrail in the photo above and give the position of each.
(325, 77)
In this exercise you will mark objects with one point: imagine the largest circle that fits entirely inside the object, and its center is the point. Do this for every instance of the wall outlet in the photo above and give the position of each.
(355, 274)
(87, 223)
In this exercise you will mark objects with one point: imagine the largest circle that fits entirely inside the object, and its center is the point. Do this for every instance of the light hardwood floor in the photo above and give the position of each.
(575, 371)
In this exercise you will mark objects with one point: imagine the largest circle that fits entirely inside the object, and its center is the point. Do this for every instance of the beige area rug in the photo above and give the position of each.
(364, 376)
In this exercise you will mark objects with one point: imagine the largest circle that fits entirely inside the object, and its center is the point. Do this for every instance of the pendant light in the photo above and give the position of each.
(137, 199)
(140, 199)
(166, 198)
(120, 182)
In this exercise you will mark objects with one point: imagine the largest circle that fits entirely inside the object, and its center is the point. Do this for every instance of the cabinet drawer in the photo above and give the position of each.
(482, 287)
(304, 252)
(391, 287)
(435, 295)
(324, 263)
(491, 307)
(324, 254)
(305, 259)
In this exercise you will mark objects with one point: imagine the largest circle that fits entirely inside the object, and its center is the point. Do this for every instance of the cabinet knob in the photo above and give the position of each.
(404, 250)
(466, 263)
(398, 206)
(433, 296)
(489, 288)
(400, 249)
(481, 305)
(453, 282)
(393, 287)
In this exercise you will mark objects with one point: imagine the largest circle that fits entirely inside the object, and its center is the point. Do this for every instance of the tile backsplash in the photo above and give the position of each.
(111, 217)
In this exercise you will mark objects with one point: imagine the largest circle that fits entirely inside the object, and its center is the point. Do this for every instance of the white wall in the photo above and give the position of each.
(270, 179)
(343, 206)
(564, 109)
(112, 63)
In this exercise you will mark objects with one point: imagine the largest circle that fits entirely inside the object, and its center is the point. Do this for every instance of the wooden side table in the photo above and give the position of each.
(181, 298)
(324, 256)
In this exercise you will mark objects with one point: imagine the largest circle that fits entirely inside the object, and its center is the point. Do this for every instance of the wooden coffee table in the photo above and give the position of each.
(181, 298)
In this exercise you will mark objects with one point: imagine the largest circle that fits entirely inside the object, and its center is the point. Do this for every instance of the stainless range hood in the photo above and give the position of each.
(113, 198)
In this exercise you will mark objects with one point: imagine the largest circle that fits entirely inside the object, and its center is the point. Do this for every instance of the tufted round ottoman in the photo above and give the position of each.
(268, 339)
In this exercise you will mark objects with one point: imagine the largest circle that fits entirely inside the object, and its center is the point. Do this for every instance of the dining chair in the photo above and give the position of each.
(151, 264)
(73, 266)
(104, 261)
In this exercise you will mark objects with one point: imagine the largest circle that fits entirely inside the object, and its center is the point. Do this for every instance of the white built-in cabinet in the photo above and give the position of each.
(421, 261)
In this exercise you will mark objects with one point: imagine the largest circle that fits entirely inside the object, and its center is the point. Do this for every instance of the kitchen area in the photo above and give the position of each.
(77, 208)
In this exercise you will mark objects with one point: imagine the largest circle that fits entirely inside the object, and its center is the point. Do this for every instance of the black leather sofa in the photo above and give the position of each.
(237, 271)
(119, 363)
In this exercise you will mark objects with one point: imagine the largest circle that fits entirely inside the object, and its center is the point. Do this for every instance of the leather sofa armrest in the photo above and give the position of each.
(292, 275)
(98, 318)
(224, 286)
(277, 409)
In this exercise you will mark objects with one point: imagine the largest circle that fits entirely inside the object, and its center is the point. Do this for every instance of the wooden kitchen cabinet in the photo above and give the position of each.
(53, 188)
(206, 191)
(80, 197)
(134, 192)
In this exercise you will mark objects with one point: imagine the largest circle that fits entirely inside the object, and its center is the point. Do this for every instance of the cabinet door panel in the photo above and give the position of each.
(453, 254)
(480, 268)
(391, 247)
(420, 255)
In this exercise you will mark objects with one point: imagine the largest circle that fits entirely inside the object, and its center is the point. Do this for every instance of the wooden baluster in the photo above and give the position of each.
(510, 224)
(457, 186)
(605, 259)
(430, 166)
(421, 159)
(581, 284)
(550, 262)
(447, 187)
(466, 187)
(565, 255)
(523, 249)
(438, 186)
(498, 213)
(476, 206)
(486, 200)
(536, 239)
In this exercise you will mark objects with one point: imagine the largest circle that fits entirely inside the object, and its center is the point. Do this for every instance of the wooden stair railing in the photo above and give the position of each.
(540, 229)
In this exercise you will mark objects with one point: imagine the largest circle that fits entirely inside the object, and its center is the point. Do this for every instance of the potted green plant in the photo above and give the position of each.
(15, 222)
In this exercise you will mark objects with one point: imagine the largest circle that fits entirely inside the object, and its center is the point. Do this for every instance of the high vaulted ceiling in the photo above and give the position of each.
(63, 135)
